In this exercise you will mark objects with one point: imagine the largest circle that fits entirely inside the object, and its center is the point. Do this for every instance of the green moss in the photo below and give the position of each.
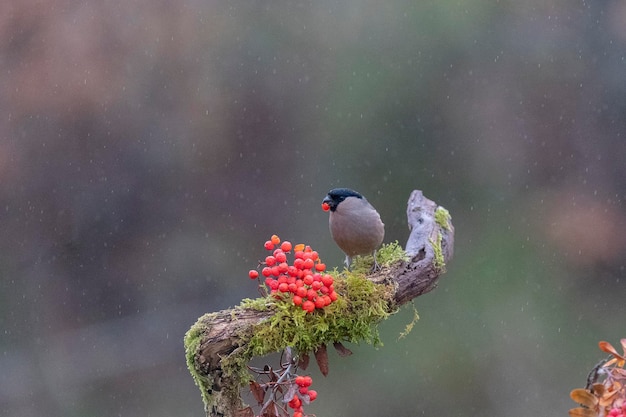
(410, 326)
(387, 255)
(442, 218)
(351, 318)
(440, 262)
(192, 341)
(390, 253)
(258, 304)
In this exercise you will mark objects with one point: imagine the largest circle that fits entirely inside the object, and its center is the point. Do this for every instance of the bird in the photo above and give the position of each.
(354, 223)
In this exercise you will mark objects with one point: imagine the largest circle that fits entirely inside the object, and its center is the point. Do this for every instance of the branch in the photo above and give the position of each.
(218, 346)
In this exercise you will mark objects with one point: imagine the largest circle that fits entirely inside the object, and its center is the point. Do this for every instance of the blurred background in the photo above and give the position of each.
(149, 148)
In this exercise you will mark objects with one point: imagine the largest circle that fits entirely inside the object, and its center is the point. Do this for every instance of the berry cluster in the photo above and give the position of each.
(304, 279)
(276, 390)
(305, 395)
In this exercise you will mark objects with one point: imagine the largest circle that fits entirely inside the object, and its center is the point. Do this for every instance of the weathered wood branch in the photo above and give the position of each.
(217, 337)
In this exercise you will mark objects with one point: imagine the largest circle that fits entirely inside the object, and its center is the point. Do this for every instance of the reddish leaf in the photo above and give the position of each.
(598, 390)
(608, 348)
(273, 375)
(584, 397)
(270, 410)
(303, 361)
(617, 358)
(321, 356)
(244, 412)
(257, 391)
(582, 412)
(341, 349)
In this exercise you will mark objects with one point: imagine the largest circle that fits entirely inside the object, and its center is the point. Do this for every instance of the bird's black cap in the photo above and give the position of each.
(337, 195)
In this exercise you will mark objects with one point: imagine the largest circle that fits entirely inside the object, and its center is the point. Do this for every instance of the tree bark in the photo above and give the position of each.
(218, 335)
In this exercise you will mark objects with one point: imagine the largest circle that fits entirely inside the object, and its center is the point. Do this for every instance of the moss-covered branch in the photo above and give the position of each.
(219, 346)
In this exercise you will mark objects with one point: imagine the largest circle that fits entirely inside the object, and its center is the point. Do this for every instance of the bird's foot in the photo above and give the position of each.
(375, 267)
(348, 261)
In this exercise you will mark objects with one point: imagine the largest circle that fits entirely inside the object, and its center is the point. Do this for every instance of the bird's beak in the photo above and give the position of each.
(327, 200)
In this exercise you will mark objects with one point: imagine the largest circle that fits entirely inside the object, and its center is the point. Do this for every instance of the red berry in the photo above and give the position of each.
(316, 285)
(283, 267)
(308, 279)
(325, 206)
(270, 260)
(269, 245)
(286, 246)
(295, 402)
(253, 274)
(311, 294)
(319, 302)
(327, 280)
(275, 239)
(283, 287)
(297, 300)
(308, 306)
(280, 257)
(301, 292)
(320, 267)
(303, 390)
(308, 263)
(333, 296)
(303, 380)
(298, 263)
(312, 394)
(293, 287)
(266, 272)
(298, 414)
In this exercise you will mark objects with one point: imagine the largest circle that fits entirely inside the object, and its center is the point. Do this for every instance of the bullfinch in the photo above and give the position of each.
(354, 223)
